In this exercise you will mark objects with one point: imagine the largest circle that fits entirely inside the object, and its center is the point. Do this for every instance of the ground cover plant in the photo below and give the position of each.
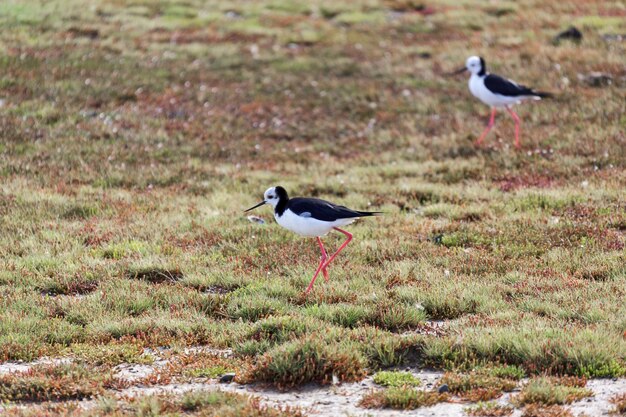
(402, 398)
(134, 134)
(549, 392)
(197, 403)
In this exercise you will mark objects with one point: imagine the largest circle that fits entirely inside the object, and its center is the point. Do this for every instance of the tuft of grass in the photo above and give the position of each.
(489, 409)
(68, 285)
(309, 359)
(547, 391)
(197, 403)
(535, 410)
(478, 386)
(155, 275)
(55, 383)
(209, 372)
(401, 398)
(111, 354)
(396, 379)
(619, 401)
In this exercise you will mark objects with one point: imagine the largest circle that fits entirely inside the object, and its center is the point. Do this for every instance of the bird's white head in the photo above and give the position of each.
(475, 65)
(273, 196)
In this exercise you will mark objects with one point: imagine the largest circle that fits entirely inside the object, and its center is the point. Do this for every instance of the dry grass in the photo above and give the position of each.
(197, 403)
(535, 410)
(620, 404)
(489, 410)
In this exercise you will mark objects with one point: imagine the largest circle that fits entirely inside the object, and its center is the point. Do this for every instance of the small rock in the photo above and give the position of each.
(571, 33)
(232, 14)
(88, 114)
(227, 378)
(613, 37)
(596, 79)
(443, 388)
(256, 219)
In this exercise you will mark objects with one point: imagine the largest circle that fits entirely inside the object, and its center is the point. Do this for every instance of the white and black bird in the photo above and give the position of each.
(311, 217)
(497, 92)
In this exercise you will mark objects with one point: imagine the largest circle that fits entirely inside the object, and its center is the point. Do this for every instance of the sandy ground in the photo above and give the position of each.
(334, 400)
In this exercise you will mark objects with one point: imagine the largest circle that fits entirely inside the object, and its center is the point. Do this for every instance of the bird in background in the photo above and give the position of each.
(311, 217)
(497, 92)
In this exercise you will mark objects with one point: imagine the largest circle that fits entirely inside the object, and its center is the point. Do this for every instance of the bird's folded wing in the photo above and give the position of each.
(320, 209)
(504, 87)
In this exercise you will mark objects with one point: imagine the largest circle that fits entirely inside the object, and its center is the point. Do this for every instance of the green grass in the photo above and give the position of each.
(547, 392)
(309, 360)
(396, 379)
(401, 398)
(134, 134)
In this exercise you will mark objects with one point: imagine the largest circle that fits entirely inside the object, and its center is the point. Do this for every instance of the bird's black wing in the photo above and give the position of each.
(323, 210)
(504, 87)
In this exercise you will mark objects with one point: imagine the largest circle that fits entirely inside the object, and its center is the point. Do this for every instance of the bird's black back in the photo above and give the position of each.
(324, 210)
(504, 87)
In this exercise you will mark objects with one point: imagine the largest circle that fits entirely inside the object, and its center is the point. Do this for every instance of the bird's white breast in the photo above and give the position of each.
(308, 226)
(481, 92)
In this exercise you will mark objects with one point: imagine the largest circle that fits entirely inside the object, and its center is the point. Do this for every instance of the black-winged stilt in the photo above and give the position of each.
(311, 217)
(497, 92)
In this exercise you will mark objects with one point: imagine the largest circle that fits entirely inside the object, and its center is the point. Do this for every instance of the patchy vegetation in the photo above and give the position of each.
(396, 379)
(548, 391)
(489, 409)
(402, 398)
(535, 410)
(55, 383)
(197, 403)
(478, 386)
(309, 360)
(134, 133)
(620, 404)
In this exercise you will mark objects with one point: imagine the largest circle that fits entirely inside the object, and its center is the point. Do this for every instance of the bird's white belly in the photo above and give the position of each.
(308, 226)
(478, 89)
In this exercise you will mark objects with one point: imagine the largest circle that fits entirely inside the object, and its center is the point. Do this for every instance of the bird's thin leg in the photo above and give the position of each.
(325, 265)
(492, 121)
(343, 245)
(324, 257)
(317, 271)
(517, 124)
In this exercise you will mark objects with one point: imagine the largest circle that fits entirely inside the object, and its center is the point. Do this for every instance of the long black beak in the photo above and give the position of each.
(258, 205)
(460, 70)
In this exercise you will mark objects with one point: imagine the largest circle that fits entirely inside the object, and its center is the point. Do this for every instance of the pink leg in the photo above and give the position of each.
(492, 121)
(325, 265)
(317, 271)
(324, 257)
(517, 123)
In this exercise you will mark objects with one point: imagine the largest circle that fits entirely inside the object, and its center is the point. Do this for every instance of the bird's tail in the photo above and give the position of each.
(370, 213)
(542, 94)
